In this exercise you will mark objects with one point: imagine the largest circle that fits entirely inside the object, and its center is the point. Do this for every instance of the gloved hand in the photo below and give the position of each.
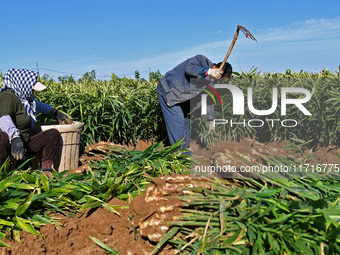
(17, 148)
(211, 126)
(62, 117)
(216, 73)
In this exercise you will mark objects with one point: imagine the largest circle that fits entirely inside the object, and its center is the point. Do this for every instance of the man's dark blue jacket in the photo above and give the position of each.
(176, 82)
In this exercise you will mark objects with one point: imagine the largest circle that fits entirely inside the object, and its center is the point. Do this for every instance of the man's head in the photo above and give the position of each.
(227, 69)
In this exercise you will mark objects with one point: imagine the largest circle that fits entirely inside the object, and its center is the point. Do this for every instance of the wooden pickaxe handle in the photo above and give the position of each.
(230, 48)
(248, 35)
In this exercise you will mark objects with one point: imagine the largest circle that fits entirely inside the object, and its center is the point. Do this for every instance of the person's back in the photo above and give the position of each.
(176, 82)
(176, 89)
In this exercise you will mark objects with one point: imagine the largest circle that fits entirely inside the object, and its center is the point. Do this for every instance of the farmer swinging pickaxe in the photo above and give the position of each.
(248, 35)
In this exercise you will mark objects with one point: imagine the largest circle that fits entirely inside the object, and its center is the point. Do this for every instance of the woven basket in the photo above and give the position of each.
(69, 146)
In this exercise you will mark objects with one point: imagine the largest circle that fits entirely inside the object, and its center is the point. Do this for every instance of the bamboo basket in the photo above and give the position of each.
(69, 145)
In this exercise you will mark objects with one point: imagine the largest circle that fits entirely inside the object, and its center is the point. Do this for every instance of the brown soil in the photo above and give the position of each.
(249, 151)
(136, 230)
(73, 237)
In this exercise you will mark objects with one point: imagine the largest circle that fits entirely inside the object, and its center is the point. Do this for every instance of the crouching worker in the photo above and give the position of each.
(18, 110)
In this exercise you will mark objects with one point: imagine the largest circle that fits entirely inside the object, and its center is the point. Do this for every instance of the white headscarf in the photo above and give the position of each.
(21, 83)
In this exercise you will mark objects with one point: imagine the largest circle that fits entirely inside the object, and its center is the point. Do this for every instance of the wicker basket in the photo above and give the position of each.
(69, 146)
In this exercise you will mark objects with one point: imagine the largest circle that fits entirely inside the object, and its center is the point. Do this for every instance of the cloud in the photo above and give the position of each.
(308, 45)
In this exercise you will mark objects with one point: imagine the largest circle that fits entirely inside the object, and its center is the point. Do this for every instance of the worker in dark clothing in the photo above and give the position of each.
(175, 91)
(18, 110)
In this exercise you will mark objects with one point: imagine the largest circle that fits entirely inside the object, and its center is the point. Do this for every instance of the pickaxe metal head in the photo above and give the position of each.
(246, 32)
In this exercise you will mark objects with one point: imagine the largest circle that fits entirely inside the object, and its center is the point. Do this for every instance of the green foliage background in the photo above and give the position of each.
(126, 110)
(121, 110)
(322, 127)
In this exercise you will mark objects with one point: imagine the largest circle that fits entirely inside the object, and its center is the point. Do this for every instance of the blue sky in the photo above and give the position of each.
(74, 37)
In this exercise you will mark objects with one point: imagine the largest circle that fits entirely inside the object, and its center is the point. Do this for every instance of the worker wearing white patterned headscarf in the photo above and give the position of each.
(18, 110)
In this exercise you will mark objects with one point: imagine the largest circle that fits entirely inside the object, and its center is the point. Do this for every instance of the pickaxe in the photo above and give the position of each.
(248, 35)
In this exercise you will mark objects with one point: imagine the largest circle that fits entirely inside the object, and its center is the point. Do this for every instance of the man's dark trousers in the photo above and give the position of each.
(176, 119)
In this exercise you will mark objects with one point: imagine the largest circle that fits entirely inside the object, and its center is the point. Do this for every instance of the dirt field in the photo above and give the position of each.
(135, 230)
(128, 232)
(247, 152)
